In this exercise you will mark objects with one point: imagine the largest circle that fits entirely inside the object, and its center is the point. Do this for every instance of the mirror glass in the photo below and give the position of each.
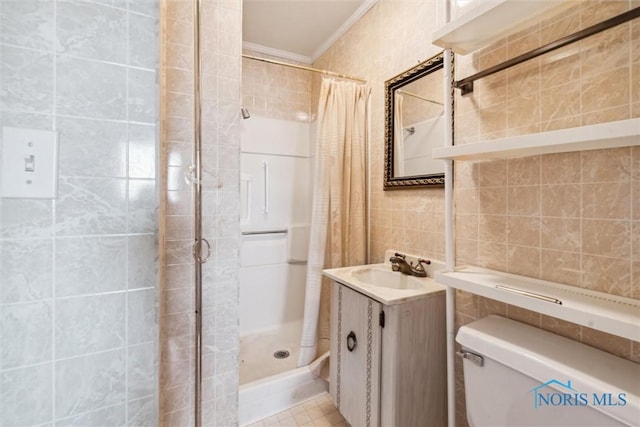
(415, 125)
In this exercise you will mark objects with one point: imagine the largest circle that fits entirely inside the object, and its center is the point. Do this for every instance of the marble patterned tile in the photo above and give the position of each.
(611, 238)
(492, 228)
(142, 313)
(142, 209)
(26, 334)
(87, 383)
(142, 261)
(92, 31)
(89, 324)
(142, 151)
(142, 367)
(25, 218)
(492, 201)
(179, 252)
(606, 165)
(91, 89)
(177, 301)
(523, 260)
(562, 234)
(182, 417)
(605, 274)
(180, 10)
(179, 56)
(179, 129)
(221, 271)
(176, 398)
(523, 200)
(605, 90)
(26, 268)
(607, 201)
(143, 96)
(90, 206)
(27, 23)
(92, 148)
(143, 41)
(179, 154)
(523, 171)
(560, 200)
(26, 396)
(110, 416)
(225, 410)
(605, 51)
(87, 265)
(120, 4)
(144, 7)
(178, 276)
(142, 412)
(27, 80)
(560, 102)
(26, 120)
(561, 267)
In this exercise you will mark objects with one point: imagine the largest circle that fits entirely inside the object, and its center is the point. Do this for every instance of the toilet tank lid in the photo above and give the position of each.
(545, 356)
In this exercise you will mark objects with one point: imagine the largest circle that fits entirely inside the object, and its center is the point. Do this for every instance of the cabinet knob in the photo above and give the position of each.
(352, 341)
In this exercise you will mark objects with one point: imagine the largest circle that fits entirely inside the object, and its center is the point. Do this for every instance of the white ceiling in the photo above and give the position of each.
(299, 30)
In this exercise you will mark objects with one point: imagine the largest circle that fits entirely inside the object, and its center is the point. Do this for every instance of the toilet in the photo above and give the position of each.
(518, 375)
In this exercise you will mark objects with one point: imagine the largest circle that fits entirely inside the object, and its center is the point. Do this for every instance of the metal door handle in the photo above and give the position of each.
(352, 341)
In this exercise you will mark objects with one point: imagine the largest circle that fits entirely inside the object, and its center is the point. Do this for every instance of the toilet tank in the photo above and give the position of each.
(518, 375)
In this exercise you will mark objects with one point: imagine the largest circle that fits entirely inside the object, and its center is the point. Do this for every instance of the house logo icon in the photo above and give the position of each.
(545, 399)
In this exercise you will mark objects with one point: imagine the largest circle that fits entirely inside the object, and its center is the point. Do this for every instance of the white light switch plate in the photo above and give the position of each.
(29, 163)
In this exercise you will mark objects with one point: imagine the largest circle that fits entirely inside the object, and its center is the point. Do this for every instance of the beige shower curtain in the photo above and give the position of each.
(338, 222)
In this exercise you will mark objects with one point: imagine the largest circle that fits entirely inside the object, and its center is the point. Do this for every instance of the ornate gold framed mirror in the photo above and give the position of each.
(414, 125)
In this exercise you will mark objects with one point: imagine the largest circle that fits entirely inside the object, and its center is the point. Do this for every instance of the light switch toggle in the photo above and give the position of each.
(20, 177)
(30, 163)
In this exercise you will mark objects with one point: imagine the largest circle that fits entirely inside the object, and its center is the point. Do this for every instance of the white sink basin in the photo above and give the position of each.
(386, 278)
(382, 284)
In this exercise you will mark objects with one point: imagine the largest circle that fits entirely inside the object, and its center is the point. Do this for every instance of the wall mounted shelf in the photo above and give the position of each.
(608, 313)
(487, 22)
(623, 133)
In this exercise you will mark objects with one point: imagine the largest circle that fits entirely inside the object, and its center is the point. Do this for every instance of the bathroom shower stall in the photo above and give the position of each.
(275, 213)
(275, 193)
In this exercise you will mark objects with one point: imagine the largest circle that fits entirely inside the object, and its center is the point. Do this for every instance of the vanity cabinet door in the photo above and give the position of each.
(355, 356)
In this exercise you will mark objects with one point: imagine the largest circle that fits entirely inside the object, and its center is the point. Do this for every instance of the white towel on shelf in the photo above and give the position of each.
(298, 243)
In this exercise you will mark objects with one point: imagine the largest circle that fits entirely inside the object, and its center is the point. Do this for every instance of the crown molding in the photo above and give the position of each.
(265, 50)
(359, 13)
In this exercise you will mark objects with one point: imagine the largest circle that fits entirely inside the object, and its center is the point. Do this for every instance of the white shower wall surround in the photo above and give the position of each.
(276, 172)
(273, 266)
(78, 327)
(417, 155)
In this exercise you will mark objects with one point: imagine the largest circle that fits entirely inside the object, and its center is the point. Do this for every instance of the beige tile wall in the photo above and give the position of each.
(568, 217)
(276, 91)
(572, 218)
(221, 77)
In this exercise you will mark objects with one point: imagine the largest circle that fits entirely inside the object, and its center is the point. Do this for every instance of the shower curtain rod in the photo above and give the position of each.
(403, 92)
(302, 67)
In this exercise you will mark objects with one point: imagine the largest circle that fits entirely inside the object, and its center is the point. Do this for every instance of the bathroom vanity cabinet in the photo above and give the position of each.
(388, 361)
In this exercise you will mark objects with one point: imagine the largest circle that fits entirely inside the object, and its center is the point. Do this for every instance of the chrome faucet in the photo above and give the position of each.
(399, 263)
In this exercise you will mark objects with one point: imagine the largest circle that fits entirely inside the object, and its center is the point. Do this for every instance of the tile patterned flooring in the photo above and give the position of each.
(317, 412)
